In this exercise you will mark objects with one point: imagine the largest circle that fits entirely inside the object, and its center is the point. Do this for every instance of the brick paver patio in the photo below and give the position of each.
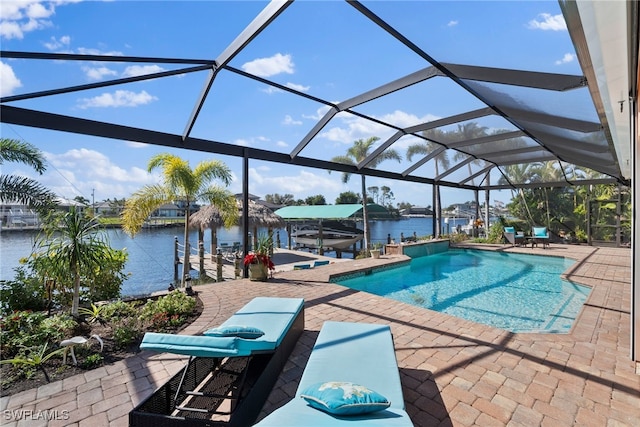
(454, 372)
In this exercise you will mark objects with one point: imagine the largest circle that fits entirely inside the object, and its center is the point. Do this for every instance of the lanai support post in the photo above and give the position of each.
(486, 207)
(245, 208)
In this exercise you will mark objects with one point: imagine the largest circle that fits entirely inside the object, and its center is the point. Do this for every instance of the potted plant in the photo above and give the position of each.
(259, 261)
(375, 250)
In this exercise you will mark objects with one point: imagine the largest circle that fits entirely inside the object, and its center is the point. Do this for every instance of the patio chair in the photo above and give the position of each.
(302, 266)
(539, 235)
(231, 368)
(347, 355)
(512, 236)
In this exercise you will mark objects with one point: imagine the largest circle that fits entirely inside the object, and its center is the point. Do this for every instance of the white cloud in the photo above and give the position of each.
(356, 127)
(242, 142)
(288, 120)
(120, 98)
(282, 144)
(254, 141)
(93, 51)
(9, 80)
(547, 21)
(270, 90)
(452, 23)
(98, 73)
(133, 144)
(56, 44)
(320, 112)
(299, 88)
(266, 67)
(81, 171)
(20, 17)
(141, 70)
(568, 57)
(301, 185)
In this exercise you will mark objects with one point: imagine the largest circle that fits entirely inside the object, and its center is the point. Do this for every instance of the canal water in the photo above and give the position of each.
(151, 252)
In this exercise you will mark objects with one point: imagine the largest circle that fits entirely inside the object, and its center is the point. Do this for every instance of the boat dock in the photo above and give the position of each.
(284, 260)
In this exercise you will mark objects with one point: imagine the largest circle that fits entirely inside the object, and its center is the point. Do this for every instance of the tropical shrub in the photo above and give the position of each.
(126, 331)
(21, 295)
(34, 358)
(175, 302)
(99, 283)
(25, 329)
(92, 361)
(118, 310)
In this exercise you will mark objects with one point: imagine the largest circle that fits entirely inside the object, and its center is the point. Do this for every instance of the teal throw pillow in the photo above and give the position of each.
(509, 230)
(246, 332)
(344, 398)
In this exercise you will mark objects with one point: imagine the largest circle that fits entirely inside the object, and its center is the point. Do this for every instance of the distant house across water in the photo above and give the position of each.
(416, 211)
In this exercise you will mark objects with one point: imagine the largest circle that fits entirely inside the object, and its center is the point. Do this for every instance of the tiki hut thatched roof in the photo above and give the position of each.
(262, 216)
(259, 216)
(207, 217)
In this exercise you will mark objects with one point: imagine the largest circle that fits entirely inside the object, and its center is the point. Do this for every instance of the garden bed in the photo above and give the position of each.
(88, 358)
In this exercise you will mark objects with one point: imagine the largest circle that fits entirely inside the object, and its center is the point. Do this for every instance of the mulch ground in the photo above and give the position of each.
(58, 371)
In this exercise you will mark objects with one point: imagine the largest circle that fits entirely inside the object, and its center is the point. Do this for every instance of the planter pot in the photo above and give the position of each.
(258, 272)
(375, 253)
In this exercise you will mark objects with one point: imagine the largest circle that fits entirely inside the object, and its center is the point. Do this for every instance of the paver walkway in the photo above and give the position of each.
(454, 372)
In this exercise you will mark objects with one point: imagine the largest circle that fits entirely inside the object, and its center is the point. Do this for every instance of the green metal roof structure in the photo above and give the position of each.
(347, 211)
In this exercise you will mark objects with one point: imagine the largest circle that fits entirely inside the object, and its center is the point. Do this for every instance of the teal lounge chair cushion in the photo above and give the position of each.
(540, 232)
(246, 332)
(359, 353)
(509, 230)
(273, 315)
(191, 345)
(344, 398)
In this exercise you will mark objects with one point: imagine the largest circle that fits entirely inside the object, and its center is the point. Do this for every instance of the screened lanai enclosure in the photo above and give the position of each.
(469, 120)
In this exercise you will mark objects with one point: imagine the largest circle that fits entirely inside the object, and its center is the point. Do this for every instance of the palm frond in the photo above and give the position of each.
(209, 170)
(27, 192)
(225, 201)
(12, 150)
(141, 204)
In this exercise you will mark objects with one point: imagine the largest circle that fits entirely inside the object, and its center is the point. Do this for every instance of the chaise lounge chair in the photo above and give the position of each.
(352, 353)
(539, 235)
(512, 236)
(231, 368)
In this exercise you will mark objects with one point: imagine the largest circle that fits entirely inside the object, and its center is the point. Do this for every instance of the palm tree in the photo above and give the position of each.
(356, 154)
(441, 161)
(20, 189)
(520, 174)
(184, 184)
(470, 131)
(74, 243)
(548, 172)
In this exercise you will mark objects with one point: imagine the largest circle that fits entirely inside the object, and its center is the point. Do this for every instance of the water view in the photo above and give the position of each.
(150, 264)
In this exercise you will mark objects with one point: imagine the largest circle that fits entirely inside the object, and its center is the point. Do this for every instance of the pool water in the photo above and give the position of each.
(516, 292)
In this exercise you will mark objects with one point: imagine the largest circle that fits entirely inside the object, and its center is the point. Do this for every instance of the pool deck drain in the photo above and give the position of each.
(454, 372)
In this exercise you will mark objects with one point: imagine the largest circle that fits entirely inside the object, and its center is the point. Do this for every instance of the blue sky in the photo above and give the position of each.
(326, 49)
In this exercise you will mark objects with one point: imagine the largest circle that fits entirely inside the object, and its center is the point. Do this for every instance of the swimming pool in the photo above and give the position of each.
(516, 292)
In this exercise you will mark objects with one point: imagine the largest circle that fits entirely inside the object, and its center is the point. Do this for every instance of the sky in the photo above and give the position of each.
(322, 48)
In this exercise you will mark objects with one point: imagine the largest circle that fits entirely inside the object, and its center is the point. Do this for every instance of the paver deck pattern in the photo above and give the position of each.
(454, 372)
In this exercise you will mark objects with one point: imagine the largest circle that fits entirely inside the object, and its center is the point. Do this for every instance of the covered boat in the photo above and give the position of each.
(327, 234)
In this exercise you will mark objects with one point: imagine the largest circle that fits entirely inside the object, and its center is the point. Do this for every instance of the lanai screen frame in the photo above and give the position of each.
(531, 124)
